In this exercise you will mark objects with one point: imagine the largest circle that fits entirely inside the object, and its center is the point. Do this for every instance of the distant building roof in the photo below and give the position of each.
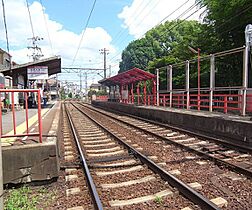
(94, 85)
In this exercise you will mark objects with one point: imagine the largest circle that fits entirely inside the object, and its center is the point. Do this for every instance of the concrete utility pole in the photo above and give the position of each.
(80, 81)
(86, 83)
(104, 51)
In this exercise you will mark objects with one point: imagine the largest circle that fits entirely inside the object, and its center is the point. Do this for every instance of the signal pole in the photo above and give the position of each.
(104, 51)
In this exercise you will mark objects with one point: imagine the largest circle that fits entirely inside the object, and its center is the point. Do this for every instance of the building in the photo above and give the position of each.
(96, 87)
(5, 59)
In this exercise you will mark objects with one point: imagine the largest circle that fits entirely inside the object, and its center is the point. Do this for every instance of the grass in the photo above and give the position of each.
(25, 198)
(158, 200)
(21, 199)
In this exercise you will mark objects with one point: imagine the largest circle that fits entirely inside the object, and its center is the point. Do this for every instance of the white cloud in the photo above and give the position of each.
(64, 42)
(142, 15)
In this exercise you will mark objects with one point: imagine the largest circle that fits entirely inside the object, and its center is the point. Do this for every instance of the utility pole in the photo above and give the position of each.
(104, 51)
(36, 51)
(80, 80)
(86, 85)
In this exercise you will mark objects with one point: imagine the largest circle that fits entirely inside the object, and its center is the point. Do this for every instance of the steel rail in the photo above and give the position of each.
(242, 148)
(231, 166)
(95, 197)
(183, 188)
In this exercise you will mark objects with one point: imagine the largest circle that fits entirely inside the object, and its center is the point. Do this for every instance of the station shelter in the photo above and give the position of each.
(20, 76)
(134, 86)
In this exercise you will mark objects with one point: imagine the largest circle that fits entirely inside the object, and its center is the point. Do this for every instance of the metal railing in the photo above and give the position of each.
(14, 123)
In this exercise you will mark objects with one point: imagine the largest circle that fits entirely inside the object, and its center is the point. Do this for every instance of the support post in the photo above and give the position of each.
(132, 93)
(245, 79)
(170, 84)
(1, 175)
(198, 98)
(138, 92)
(39, 116)
(187, 85)
(145, 93)
(157, 72)
(212, 82)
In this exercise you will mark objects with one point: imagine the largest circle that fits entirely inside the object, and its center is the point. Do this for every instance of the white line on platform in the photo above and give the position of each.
(32, 129)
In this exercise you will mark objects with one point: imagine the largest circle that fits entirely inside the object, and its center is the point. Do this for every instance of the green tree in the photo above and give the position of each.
(226, 20)
(70, 95)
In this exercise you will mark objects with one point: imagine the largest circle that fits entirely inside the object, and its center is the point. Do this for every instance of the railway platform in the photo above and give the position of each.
(234, 128)
(25, 158)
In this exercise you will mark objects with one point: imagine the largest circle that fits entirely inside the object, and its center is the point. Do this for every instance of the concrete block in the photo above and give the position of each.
(220, 202)
(31, 162)
(76, 208)
(195, 185)
(70, 170)
(72, 191)
(71, 177)
(175, 172)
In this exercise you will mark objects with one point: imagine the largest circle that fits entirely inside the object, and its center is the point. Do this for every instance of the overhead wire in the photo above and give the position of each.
(84, 31)
(133, 19)
(5, 27)
(6, 34)
(46, 26)
(28, 8)
(182, 14)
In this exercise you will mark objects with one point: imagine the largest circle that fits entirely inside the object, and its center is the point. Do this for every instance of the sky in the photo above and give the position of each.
(113, 24)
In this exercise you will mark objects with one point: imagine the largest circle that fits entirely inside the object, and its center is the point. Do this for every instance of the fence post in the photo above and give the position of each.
(157, 72)
(39, 117)
(138, 98)
(245, 79)
(187, 85)
(170, 84)
(1, 175)
(212, 81)
(225, 104)
(145, 93)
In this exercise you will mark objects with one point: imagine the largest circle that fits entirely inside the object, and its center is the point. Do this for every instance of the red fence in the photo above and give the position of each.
(25, 92)
(102, 98)
(220, 102)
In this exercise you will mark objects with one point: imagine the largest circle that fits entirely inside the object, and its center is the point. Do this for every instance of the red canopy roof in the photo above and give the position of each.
(128, 77)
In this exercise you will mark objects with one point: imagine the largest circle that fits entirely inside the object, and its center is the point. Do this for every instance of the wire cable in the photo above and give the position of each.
(27, 5)
(5, 27)
(48, 34)
(83, 33)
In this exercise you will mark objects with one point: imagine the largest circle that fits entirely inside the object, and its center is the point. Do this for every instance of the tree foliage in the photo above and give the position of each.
(222, 29)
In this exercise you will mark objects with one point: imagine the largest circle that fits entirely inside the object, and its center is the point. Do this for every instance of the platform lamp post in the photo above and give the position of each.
(197, 52)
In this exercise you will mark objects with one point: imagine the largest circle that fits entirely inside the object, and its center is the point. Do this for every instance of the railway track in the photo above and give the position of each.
(235, 157)
(211, 181)
(120, 176)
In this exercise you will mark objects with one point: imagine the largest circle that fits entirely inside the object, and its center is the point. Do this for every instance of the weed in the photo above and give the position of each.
(158, 200)
(21, 198)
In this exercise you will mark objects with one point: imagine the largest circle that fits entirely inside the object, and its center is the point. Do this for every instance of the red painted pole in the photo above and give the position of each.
(225, 104)
(138, 99)
(26, 113)
(198, 79)
(1, 128)
(39, 117)
(144, 92)
(154, 93)
(132, 93)
(13, 112)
